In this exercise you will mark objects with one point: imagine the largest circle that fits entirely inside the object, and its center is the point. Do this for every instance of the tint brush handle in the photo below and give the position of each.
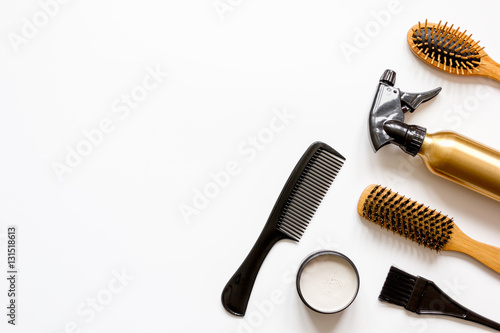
(436, 302)
(236, 293)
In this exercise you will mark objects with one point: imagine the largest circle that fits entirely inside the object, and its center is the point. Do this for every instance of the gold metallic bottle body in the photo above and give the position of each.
(463, 161)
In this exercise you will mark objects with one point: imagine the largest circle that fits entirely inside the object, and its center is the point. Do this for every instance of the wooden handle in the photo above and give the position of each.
(489, 68)
(487, 254)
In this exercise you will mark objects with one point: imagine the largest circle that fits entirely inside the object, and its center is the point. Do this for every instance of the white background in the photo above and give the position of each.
(118, 211)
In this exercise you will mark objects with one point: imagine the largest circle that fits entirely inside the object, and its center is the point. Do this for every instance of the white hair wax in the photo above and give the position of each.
(327, 281)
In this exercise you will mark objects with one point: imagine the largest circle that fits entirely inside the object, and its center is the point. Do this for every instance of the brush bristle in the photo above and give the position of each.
(446, 48)
(308, 192)
(407, 218)
(398, 287)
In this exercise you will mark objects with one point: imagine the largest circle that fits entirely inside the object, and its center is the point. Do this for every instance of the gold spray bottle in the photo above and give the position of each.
(446, 154)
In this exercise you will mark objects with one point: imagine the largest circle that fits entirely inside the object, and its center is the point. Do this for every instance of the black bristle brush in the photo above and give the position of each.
(422, 296)
(421, 224)
(296, 205)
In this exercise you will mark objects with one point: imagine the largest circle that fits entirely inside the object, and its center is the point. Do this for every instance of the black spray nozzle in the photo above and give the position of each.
(408, 137)
(386, 119)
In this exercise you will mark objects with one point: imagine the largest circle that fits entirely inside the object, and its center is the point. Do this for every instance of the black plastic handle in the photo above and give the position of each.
(477, 318)
(237, 291)
(435, 301)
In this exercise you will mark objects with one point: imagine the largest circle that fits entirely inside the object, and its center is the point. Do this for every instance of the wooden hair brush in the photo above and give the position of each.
(421, 224)
(450, 50)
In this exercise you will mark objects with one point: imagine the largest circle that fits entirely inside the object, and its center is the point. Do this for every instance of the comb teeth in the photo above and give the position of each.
(407, 218)
(398, 287)
(446, 48)
(308, 192)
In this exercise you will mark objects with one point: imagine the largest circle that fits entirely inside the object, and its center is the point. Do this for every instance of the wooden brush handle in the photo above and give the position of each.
(489, 68)
(487, 254)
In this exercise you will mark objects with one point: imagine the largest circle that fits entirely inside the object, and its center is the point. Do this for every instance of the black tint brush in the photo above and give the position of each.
(296, 205)
(422, 296)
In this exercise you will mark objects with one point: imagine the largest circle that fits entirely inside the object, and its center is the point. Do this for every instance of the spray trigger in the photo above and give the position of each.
(386, 119)
(411, 101)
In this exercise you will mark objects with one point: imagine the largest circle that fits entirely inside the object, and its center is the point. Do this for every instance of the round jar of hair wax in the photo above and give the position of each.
(327, 281)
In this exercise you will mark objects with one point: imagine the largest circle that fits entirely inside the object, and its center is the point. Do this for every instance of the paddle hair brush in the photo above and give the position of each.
(422, 296)
(450, 50)
(421, 224)
(295, 207)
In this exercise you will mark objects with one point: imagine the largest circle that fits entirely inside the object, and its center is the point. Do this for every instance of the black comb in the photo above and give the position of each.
(422, 296)
(295, 207)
